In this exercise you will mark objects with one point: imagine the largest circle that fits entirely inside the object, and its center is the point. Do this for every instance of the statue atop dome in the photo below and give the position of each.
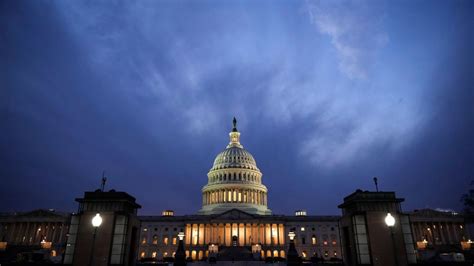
(234, 121)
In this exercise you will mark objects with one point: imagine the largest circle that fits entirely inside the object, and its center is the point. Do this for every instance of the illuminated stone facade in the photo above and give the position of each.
(436, 231)
(264, 236)
(42, 231)
(235, 214)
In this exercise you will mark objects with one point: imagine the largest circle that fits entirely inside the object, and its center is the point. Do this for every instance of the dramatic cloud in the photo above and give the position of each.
(355, 29)
(327, 95)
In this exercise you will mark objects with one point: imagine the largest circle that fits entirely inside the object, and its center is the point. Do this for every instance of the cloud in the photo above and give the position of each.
(206, 69)
(355, 29)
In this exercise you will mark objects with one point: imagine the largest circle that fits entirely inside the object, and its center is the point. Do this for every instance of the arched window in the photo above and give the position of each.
(314, 240)
(142, 254)
(165, 240)
(269, 254)
(200, 255)
(165, 254)
(193, 255)
(53, 253)
(153, 254)
(275, 253)
(282, 253)
(144, 240)
(155, 240)
(303, 254)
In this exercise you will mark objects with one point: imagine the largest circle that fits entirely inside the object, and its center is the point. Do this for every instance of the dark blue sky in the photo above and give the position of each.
(327, 94)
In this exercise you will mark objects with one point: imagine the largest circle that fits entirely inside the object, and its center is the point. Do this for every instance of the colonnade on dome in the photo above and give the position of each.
(237, 195)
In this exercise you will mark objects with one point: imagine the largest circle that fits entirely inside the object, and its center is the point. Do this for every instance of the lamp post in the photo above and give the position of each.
(96, 222)
(390, 222)
(292, 257)
(180, 255)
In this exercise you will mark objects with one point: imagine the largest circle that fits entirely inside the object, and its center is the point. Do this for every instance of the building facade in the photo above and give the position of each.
(233, 224)
(25, 233)
(261, 236)
(235, 214)
(436, 231)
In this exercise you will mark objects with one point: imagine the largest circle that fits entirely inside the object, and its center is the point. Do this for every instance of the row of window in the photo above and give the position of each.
(198, 255)
(303, 229)
(165, 240)
(304, 254)
(156, 229)
(235, 176)
(314, 240)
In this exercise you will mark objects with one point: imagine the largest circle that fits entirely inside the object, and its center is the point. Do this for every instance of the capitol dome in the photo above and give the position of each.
(234, 181)
(234, 157)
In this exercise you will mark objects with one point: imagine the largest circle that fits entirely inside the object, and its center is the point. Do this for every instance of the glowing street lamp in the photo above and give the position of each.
(181, 236)
(390, 222)
(291, 235)
(292, 257)
(96, 222)
(180, 255)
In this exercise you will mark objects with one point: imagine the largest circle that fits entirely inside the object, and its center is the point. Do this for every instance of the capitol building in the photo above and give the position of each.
(234, 224)
(235, 220)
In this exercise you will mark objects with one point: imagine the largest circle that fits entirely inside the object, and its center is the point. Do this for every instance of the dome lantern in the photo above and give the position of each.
(234, 136)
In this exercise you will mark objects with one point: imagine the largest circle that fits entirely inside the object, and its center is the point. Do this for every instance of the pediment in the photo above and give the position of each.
(234, 214)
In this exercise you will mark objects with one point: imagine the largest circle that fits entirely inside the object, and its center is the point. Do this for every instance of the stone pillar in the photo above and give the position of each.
(278, 234)
(93, 246)
(10, 228)
(25, 233)
(420, 232)
(440, 232)
(381, 245)
(245, 234)
(448, 232)
(55, 230)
